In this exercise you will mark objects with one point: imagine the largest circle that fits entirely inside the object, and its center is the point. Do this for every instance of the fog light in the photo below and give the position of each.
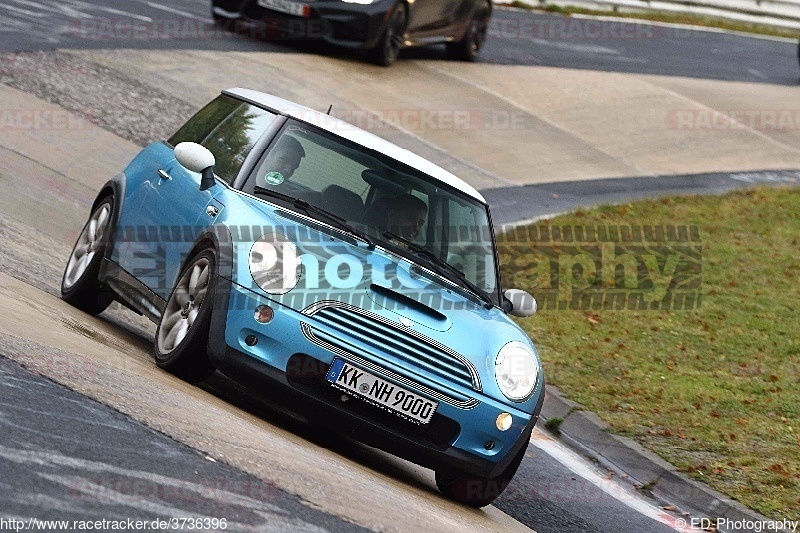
(251, 340)
(489, 445)
(503, 421)
(263, 314)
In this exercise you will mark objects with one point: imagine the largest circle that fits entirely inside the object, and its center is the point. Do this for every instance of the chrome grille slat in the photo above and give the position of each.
(389, 340)
(314, 336)
(403, 343)
(420, 364)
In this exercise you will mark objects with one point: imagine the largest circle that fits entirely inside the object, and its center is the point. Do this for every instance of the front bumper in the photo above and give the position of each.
(344, 24)
(455, 440)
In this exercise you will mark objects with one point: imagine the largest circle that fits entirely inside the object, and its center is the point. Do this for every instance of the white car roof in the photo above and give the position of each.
(357, 135)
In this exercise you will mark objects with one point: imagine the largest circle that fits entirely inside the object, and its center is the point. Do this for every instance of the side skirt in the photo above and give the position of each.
(131, 292)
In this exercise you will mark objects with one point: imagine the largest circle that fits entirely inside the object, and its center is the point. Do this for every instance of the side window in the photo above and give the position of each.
(232, 140)
(204, 121)
(469, 250)
(227, 127)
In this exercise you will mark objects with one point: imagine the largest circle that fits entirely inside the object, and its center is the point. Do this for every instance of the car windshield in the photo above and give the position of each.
(399, 207)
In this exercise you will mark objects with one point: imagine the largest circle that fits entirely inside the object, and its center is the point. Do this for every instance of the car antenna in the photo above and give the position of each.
(329, 109)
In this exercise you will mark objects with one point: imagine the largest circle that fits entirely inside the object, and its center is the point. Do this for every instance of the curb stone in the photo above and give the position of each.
(585, 432)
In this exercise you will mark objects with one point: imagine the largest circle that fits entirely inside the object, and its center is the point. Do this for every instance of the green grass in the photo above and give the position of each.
(714, 390)
(669, 17)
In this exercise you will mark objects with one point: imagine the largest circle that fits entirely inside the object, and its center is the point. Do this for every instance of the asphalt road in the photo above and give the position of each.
(515, 38)
(547, 495)
(512, 205)
(64, 457)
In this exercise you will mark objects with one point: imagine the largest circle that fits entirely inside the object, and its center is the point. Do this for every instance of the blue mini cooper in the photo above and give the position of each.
(290, 249)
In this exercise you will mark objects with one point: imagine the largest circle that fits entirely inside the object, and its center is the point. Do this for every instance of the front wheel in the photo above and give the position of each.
(468, 48)
(79, 285)
(182, 335)
(392, 40)
(478, 491)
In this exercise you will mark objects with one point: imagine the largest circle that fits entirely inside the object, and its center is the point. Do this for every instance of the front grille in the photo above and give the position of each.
(383, 337)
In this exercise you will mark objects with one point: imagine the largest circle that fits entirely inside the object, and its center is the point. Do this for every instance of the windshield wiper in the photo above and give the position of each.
(327, 215)
(440, 264)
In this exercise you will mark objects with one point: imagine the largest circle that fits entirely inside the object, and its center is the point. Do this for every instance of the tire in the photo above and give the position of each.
(468, 48)
(80, 286)
(478, 491)
(181, 344)
(385, 54)
(223, 23)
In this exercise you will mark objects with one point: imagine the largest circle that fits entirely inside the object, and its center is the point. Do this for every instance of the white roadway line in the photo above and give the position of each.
(740, 125)
(578, 465)
(23, 11)
(174, 11)
(60, 10)
(620, 160)
(88, 6)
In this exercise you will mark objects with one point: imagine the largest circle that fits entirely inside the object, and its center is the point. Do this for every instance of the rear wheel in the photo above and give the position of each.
(468, 48)
(79, 285)
(389, 46)
(478, 491)
(181, 345)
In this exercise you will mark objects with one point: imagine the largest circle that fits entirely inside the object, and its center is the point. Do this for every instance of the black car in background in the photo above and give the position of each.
(382, 27)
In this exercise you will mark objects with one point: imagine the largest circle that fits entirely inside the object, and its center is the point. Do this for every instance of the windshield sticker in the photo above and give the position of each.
(274, 178)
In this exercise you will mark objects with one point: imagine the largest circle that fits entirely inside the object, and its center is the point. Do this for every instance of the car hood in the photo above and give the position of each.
(339, 270)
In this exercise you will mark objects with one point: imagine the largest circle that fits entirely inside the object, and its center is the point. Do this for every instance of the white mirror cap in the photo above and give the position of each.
(193, 156)
(522, 303)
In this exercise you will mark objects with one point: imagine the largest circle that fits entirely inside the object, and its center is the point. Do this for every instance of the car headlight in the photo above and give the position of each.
(274, 263)
(516, 370)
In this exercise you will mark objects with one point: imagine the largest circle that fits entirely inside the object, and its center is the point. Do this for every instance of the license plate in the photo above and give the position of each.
(380, 392)
(286, 6)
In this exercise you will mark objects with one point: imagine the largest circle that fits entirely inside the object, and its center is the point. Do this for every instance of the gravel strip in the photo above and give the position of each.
(117, 103)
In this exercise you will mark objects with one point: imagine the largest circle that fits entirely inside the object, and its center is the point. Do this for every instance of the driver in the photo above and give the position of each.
(406, 216)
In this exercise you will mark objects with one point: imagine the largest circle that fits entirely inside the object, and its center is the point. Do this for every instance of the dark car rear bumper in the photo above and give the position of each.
(351, 25)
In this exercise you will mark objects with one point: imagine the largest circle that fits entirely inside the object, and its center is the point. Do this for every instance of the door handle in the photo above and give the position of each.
(164, 175)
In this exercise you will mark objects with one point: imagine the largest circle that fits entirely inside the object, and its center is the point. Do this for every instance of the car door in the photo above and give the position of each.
(427, 18)
(174, 211)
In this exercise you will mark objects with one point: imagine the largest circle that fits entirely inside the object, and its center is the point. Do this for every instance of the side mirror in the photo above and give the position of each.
(521, 303)
(197, 158)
